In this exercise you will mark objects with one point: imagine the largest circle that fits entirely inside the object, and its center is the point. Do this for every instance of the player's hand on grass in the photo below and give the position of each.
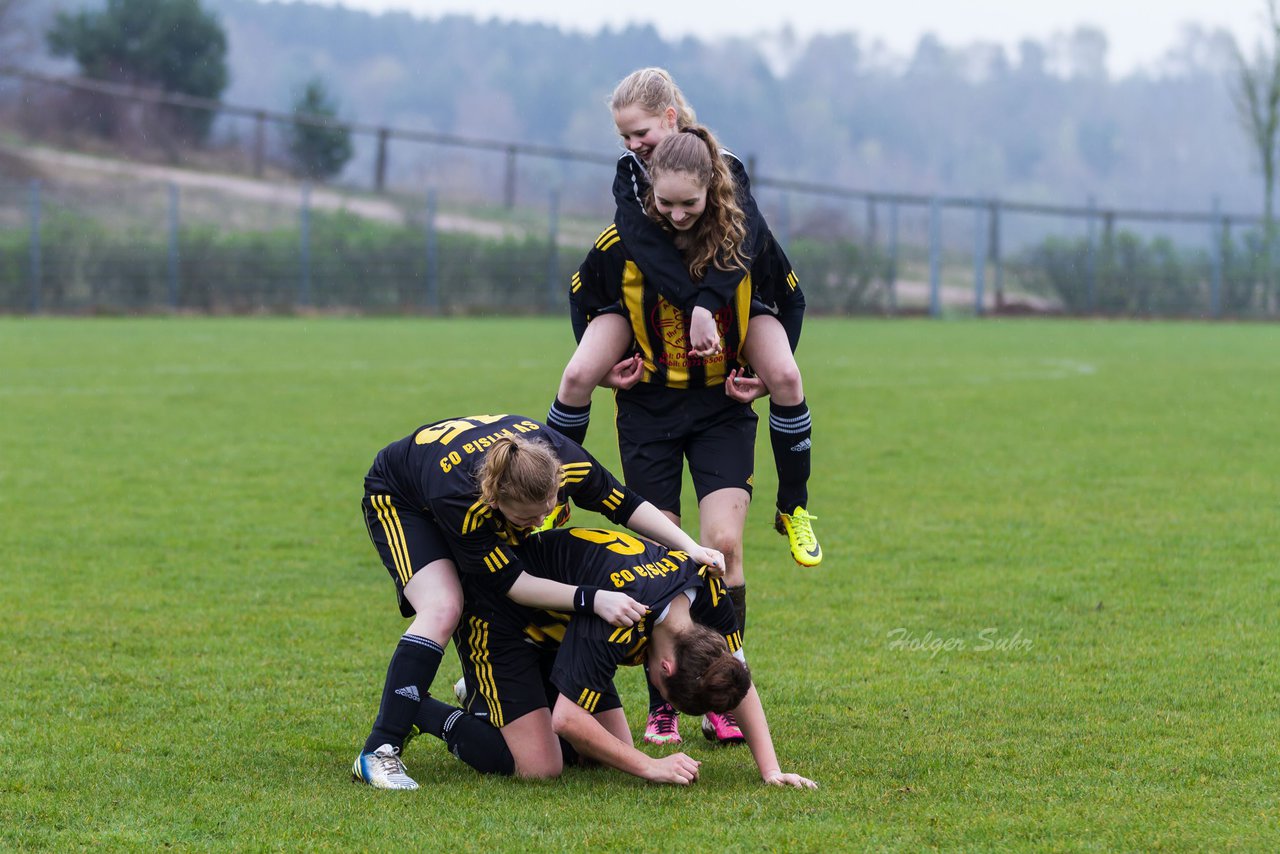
(777, 778)
(677, 768)
(704, 335)
(742, 388)
(618, 609)
(625, 374)
(710, 558)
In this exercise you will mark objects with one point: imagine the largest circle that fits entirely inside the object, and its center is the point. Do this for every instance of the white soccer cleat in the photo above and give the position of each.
(382, 769)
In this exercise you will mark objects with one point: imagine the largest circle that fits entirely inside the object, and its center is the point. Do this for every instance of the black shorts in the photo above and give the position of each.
(406, 538)
(507, 675)
(660, 427)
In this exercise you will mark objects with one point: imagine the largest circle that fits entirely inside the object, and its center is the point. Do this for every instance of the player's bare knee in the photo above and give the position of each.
(540, 768)
(438, 619)
(787, 387)
(728, 543)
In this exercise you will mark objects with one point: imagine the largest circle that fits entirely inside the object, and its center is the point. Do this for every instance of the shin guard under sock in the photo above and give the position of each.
(791, 435)
(409, 675)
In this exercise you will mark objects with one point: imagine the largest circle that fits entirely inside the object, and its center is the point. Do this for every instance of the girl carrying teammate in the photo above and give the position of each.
(647, 108)
(678, 409)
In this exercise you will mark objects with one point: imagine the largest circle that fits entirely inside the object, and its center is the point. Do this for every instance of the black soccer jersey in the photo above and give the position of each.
(610, 281)
(591, 650)
(434, 468)
(660, 261)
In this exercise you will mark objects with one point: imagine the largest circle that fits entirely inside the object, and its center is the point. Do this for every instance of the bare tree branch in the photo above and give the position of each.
(1257, 97)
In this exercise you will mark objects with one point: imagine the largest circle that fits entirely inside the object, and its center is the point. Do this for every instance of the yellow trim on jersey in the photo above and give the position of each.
(549, 631)
(613, 500)
(634, 655)
(589, 699)
(633, 298)
(622, 635)
(575, 282)
(677, 373)
(574, 473)
(390, 520)
(476, 515)
(478, 642)
(793, 281)
(742, 311)
(496, 559)
(734, 640)
(716, 586)
(607, 238)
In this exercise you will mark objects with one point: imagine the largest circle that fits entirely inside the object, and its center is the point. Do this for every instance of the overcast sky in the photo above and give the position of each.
(1138, 31)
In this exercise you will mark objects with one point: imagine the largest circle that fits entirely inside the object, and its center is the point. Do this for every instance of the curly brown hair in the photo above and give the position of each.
(718, 235)
(707, 678)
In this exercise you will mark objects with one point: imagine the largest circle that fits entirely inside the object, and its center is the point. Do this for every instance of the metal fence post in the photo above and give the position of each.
(380, 164)
(509, 183)
(259, 142)
(892, 271)
(304, 283)
(1269, 277)
(872, 224)
(433, 255)
(935, 257)
(1216, 249)
(1108, 247)
(979, 260)
(783, 234)
(37, 275)
(1091, 253)
(173, 246)
(1228, 250)
(553, 265)
(997, 266)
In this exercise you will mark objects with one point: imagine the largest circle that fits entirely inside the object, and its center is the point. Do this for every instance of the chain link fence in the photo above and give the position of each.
(454, 225)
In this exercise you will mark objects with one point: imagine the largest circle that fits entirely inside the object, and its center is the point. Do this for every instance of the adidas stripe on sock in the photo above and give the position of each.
(409, 676)
(572, 421)
(790, 434)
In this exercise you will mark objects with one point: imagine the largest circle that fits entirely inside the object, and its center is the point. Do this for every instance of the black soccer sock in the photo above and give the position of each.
(469, 738)
(655, 697)
(571, 757)
(409, 675)
(790, 433)
(738, 596)
(572, 421)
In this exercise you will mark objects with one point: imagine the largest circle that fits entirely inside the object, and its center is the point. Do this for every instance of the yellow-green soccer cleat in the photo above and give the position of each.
(557, 518)
(798, 526)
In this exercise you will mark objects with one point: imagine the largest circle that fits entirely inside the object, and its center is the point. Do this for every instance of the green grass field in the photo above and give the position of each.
(1047, 618)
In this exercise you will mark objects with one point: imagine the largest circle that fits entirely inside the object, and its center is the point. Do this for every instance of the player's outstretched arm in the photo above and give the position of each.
(578, 727)
(755, 727)
(648, 521)
(613, 606)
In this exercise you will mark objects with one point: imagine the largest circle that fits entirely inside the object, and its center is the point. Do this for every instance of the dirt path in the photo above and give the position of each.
(72, 167)
(63, 165)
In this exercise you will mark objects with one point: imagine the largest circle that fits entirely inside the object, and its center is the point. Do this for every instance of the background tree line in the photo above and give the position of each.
(1043, 122)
